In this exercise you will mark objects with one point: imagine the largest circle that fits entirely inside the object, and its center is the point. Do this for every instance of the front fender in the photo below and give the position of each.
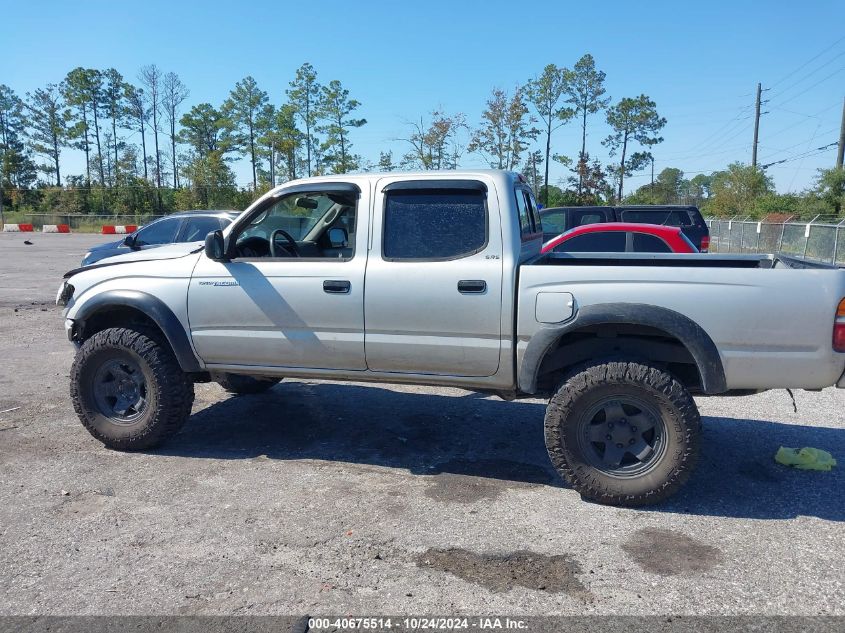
(152, 307)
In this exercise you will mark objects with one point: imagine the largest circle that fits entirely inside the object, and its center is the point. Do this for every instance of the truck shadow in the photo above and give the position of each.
(480, 437)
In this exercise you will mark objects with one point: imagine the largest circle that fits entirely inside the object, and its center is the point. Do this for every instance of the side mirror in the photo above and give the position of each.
(215, 246)
(338, 237)
(129, 241)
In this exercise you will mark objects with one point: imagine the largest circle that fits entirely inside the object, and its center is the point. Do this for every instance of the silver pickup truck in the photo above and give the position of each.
(436, 278)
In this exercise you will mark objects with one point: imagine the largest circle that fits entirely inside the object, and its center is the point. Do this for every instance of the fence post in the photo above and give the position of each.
(757, 247)
(835, 244)
(806, 239)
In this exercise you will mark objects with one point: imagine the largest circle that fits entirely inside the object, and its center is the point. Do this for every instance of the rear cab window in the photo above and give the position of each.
(530, 224)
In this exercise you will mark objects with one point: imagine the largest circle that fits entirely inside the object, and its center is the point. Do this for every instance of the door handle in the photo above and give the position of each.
(336, 286)
(472, 286)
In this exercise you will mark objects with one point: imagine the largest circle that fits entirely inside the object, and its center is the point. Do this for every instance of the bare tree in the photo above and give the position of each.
(150, 76)
(174, 92)
(139, 115)
(505, 131)
(434, 145)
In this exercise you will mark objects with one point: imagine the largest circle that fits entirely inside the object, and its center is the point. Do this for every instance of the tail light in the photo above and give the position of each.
(705, 244)
(839, 328)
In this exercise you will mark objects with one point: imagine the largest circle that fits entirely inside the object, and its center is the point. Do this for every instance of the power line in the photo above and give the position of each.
(809, 116)
(808, 88)
(807, 76)
(801, 162)
(807, 63)
(806, 154)
(777, 151)
(732, 125)
(793, 125)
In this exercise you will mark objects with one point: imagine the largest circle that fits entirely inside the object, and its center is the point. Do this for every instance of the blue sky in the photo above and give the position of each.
(700, 62)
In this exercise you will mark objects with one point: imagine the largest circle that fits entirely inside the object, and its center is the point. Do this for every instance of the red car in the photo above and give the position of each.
(621, 237)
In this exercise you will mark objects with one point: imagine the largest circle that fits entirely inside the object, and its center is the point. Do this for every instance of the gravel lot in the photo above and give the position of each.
(322, 497)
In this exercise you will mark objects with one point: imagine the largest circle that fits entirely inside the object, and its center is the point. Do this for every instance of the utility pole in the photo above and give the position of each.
(756, 126)
(841, 153)
(652, 172)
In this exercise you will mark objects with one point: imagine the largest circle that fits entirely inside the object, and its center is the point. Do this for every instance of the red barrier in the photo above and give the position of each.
(26, 227)
(131, 228)
(108, 229)
(64, 228)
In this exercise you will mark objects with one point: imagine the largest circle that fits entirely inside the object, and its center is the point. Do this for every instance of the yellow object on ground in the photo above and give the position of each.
(806, 458)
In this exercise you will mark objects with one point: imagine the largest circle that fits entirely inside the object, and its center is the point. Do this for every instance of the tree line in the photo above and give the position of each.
(144, 151)
(147, 151)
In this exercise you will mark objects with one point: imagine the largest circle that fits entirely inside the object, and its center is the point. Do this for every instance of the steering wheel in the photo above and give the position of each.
(291, 248)
(253, 247)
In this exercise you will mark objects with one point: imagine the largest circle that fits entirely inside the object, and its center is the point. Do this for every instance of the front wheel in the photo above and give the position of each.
(623, 433)
(128, 389)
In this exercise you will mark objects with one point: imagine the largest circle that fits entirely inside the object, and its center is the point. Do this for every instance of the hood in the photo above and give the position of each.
(170, 251)
(108, 246)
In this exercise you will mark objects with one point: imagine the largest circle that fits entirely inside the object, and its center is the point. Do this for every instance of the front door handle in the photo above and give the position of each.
(472, 286)
(336, 286)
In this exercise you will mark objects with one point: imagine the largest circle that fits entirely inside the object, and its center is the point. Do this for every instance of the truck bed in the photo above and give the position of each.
(682, 260)
(772, 327)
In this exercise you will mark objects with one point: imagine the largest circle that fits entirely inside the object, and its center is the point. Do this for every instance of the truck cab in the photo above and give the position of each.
(439, 262)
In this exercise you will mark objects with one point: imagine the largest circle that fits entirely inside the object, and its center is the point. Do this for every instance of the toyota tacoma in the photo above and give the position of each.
(437, 278)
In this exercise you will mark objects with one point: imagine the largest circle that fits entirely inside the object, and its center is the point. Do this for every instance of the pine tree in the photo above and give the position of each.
(304, 97)
(335, 110)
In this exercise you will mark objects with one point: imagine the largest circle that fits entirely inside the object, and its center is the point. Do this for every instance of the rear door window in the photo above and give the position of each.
(608, 242)
(645, 243)
(434, 224)
(195, 229)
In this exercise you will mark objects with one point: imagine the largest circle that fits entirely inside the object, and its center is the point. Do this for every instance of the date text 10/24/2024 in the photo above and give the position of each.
(416, 623)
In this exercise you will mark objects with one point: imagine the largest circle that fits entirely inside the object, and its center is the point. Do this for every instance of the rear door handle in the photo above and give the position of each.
(472, 286)
(336, 286)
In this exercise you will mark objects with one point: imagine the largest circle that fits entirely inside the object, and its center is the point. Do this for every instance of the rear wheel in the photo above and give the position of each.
(246, 385)
(128, 388)
(623, 433)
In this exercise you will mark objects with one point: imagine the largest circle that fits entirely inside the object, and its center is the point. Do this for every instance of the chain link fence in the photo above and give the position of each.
(824, 242)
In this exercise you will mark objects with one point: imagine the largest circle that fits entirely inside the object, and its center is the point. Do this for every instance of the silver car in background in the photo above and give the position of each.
(187, 226)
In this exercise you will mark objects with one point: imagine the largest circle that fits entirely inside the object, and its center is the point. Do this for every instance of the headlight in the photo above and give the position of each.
(65, 294)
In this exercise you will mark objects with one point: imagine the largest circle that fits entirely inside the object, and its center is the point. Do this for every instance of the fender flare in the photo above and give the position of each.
(688, 332)
(152, 307)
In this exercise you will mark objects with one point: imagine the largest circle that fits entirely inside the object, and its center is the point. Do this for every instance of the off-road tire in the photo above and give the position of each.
(589, 386)
(169, 392)
(246, 385)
